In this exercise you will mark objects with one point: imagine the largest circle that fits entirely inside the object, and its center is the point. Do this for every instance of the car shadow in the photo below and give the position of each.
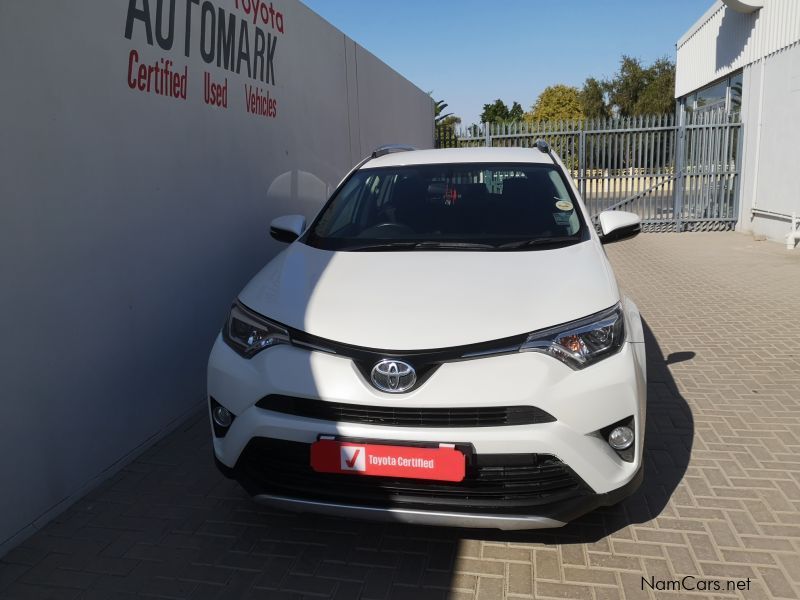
(382, 559)
(398, 550)
(669, 432)
(179, 521)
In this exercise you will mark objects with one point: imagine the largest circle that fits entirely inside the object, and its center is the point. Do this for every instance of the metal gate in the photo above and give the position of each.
(677, 175)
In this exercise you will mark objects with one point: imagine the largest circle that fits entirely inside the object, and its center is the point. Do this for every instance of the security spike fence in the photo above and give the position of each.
(676, 174)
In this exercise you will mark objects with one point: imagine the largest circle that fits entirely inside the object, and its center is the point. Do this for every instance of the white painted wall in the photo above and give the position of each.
(724, 40)
(131, 220)
(769, 179)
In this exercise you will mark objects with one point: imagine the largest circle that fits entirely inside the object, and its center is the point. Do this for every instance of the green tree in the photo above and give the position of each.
(440, 117)
(625, 87)
(496, 112)
(638, 90)
(658, 95)
(516, 113)
(593, 98)
(444, 125)
(449, 121)
(557, 103)
(438, 109)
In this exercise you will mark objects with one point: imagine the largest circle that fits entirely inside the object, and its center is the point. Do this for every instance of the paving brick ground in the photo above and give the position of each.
(720, 502)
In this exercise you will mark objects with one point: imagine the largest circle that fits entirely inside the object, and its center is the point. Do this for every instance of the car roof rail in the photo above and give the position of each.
(390, 149)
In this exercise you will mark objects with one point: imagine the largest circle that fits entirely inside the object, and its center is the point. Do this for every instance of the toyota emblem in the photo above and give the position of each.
(393, 376)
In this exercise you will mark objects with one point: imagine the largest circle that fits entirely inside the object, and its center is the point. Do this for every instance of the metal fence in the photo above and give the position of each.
(678, 175)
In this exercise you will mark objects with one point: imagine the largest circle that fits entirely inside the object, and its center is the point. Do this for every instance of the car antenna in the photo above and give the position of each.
(542, 145)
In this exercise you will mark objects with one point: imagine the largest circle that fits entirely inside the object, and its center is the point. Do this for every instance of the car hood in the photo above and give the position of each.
(415, 300)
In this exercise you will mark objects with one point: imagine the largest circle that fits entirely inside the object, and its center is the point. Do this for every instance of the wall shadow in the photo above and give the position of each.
(735, 31)
(173, 515)
(295, 552)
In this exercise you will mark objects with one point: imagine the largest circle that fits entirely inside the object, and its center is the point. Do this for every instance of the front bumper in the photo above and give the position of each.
(556, 516)
(379, 501)
(582, 402)
(412, 517)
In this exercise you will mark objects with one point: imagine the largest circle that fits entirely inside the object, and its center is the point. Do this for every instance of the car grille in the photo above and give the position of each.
(489, 416)
(499, 482)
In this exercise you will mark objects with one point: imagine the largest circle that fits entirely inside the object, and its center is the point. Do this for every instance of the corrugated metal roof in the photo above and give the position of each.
(724, 40)
(700, 22)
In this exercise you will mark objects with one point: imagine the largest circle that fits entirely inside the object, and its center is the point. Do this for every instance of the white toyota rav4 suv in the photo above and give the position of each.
(445, 343)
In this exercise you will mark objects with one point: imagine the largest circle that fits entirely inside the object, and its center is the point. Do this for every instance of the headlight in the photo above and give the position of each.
(583, 342)
(249, 333)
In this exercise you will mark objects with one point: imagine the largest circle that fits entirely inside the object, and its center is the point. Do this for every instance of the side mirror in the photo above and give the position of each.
(287, 228)
(618, 225)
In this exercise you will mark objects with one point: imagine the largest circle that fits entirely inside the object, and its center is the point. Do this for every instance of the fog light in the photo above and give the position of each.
(222, 416)
(620, 438)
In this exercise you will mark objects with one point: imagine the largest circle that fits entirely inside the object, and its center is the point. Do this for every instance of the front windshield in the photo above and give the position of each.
(480, 205)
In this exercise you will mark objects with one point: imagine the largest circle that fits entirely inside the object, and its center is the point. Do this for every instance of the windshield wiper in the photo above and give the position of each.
(444, 245)
(382, 246)
(425, 245)
(543, 241)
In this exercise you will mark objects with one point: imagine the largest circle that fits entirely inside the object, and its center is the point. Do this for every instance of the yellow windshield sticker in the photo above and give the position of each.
(564, 205)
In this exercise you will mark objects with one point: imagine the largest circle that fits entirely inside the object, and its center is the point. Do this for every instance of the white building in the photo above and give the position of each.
(744, 55)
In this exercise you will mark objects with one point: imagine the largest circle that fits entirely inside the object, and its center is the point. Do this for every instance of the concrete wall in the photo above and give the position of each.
(130, 219)
(769, 179)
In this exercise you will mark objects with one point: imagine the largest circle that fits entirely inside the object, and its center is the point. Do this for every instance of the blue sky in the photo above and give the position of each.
(471, 52)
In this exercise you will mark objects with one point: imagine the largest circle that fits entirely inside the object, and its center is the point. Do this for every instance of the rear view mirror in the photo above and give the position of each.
(618, 225)
(287, 228)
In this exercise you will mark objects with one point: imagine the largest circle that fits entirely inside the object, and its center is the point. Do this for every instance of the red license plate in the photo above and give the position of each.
(441, 464)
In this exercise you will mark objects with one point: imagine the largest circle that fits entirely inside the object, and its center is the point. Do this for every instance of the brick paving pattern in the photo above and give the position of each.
(720, 502)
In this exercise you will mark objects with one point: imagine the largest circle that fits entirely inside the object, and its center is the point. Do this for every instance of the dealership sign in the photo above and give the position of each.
(241, 41)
